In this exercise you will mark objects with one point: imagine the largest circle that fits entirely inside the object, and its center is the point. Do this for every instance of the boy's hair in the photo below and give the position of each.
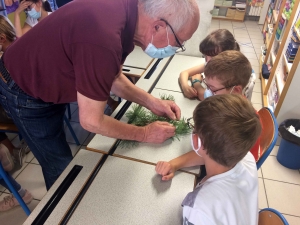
(228, 127)
(218, 41)
(7, 29)
(230, 67)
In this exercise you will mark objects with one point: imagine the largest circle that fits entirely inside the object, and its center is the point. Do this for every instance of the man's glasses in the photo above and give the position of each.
(190, 123)
(215, 91)
(182, 48)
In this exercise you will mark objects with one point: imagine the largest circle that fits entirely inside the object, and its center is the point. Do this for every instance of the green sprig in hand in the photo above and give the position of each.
(140, 116)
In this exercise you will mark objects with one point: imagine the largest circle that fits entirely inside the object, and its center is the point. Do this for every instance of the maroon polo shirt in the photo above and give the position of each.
(80, 47)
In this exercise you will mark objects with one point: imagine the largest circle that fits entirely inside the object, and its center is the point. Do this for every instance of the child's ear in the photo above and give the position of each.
(2, 39)
(238, 89)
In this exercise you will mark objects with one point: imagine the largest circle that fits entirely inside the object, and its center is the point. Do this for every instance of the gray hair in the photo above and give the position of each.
(176, 12)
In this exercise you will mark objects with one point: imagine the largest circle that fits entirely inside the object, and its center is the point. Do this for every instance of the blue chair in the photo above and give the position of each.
(3, 175)
(268, 135)
(269, 216)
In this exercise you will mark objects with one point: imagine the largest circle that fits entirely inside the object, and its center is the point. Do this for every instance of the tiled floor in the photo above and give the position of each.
(279, 187)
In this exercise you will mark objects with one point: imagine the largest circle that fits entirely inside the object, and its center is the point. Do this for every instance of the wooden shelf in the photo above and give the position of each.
(287, 64)
(280, 83)
(267, 39)
(226, 18)
(275, 15)
(297, 32)
(224, 6)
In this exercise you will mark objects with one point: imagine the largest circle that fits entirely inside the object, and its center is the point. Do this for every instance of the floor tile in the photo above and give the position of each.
(238, 24)
(29, 157)
(274, 151)
(79, 131)
(256, 98)
(253, 30)
(259, 173)
(243, 39)
(241, 35)
(34, 161)
(16, 216)
(239, 31)
(254, 62)
(283, 197)
(273, 170)
(262, 198)
(292, 220)
(257, 87)
(258, 36)
(246, 49)
(257, 41)
(257, 106)
(250, 55)
(17, 170)
(257, 46)
(33, 180)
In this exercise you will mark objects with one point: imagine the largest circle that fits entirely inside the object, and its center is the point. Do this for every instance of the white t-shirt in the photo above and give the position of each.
(229, 198)
(32, 22)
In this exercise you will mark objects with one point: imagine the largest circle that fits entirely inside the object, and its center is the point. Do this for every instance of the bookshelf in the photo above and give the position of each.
(229, 10)
(283, 83)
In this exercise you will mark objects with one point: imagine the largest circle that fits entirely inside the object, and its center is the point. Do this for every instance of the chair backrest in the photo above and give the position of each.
(269, 216)
(8, 127)
(268, 135)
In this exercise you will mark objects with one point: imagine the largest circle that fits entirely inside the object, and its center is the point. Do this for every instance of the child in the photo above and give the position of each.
(228, 73)
(215, 43)
(221, 141)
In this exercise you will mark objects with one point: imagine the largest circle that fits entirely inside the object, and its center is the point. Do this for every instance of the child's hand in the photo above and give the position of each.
(189, 92)
(165, 169)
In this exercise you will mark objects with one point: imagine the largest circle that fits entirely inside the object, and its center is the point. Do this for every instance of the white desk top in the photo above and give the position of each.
(128, 192)
(85, 158)
(138, 59)
(169, 80)
(152, 153)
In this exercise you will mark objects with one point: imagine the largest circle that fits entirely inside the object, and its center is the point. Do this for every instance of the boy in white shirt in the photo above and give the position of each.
(225, 128)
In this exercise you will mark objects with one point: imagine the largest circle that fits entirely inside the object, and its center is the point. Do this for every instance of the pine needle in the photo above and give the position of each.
(140, 116)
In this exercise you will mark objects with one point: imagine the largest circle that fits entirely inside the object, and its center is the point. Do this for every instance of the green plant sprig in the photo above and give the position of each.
(140, 116)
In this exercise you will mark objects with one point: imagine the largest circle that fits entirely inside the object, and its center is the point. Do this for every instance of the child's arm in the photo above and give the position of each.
(189, 91)
(167, 169)
(198, 87)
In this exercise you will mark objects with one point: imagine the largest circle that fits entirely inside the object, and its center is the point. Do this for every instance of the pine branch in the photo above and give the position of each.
(140, 116)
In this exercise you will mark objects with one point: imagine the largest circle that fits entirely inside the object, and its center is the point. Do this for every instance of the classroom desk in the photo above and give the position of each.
(123, 192)
(128, 192)
(179, 63)
(84, 158)
(138, 59)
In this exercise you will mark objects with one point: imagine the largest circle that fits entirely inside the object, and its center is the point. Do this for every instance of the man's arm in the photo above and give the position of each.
(168, 169)
(92, 118)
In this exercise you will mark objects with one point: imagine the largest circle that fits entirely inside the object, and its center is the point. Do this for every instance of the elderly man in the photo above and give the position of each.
(76, 54)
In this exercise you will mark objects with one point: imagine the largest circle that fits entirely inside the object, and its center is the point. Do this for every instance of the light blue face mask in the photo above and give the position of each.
(154, 52)
(207, 93)
(34, 14)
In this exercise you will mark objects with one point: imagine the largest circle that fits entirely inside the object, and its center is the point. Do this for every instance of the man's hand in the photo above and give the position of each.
(165, 108)
(165, 169)
(158, 132)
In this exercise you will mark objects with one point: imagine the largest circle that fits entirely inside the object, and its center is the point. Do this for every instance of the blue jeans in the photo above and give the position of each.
(14, 183)
(41, 125)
